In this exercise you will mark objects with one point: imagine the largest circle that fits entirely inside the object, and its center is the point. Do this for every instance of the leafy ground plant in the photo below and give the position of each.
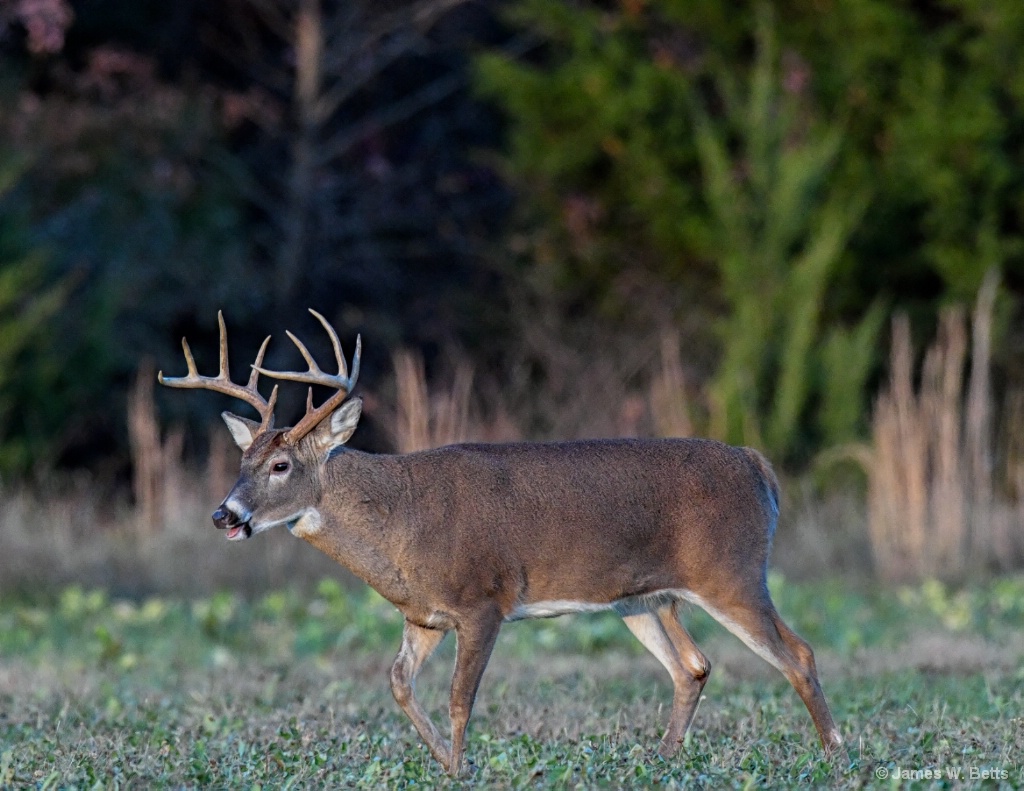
(291, 691)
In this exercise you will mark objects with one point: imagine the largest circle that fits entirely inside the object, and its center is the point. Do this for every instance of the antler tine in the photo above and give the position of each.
(271, 403)
(189, 359)
(255, 375)
(338, 356)
(355, 362)
(223, 373)
(189, 362)
(341, 381)
(314, 373)
(221, 383)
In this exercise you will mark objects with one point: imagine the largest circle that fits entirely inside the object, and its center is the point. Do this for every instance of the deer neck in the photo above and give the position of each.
(352, 523)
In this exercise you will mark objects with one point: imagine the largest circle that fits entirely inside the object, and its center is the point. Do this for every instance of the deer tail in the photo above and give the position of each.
(769, 481)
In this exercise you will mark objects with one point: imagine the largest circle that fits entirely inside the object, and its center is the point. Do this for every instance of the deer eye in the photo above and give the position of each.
(281, 466)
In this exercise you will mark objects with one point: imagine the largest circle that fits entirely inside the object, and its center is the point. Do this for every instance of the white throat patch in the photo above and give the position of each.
(308, 524)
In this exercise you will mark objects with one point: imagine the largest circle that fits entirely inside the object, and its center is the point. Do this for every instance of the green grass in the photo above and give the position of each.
(291, 690)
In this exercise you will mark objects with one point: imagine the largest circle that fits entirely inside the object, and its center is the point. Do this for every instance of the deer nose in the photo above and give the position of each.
(223, 518)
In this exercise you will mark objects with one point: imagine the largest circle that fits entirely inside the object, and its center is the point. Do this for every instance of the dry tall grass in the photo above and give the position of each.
(427, 417)
(936, 504)
(671, 412)
(157, 483)
(933, 503)
(65, 530)
(161, 480)
(423, 419)
(160, 539)
(72, 535)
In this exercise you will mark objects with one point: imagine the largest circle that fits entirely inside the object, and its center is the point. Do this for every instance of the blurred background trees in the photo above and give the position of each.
(568, 204)
(170, 160)
(773, 178)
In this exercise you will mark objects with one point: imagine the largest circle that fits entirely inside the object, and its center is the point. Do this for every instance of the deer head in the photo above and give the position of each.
(280, 478)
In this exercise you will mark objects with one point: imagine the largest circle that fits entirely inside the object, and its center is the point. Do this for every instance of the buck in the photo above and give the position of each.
(465, 538)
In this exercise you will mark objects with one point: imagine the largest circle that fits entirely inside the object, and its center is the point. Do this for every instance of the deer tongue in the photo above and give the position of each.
(243, 530)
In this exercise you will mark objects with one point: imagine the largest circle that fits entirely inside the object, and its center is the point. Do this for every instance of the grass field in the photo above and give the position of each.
(290, 690)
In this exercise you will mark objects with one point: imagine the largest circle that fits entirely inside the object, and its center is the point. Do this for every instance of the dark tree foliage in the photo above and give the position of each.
(161, 145)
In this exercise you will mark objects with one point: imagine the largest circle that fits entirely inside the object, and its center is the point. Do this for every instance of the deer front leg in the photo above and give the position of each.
(418, 643)
(475, 642)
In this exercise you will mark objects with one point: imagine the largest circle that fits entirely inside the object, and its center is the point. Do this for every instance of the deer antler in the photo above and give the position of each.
(221, 383)
(342, 381)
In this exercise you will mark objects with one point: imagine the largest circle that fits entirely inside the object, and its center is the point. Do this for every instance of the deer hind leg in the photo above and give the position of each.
(761, 627)
(418, 644)
(663, 635)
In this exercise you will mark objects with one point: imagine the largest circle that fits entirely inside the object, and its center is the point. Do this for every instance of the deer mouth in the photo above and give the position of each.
(239, 532)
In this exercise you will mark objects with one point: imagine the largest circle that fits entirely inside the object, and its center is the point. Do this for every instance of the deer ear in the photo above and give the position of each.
(338, 428)
(243, 430)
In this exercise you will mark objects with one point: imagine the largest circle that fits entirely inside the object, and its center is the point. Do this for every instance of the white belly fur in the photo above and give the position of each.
(648, 602)
(628, 605)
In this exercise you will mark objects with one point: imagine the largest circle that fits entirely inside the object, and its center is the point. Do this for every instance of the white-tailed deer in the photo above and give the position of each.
(467, 537)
